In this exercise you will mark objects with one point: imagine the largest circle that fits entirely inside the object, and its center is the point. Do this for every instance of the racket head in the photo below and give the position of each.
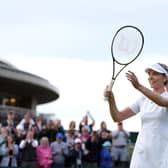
(127, 44)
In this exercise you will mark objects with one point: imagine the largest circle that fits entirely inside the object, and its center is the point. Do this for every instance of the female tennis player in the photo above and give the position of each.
(151, 148)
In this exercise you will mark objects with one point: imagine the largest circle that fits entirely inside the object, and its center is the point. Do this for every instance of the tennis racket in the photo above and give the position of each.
(126, 46)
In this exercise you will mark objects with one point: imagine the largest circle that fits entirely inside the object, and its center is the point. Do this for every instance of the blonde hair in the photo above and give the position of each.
(44, 139)
(166, 68)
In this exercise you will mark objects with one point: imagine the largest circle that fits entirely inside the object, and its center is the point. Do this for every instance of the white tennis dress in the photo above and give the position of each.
(151, 148)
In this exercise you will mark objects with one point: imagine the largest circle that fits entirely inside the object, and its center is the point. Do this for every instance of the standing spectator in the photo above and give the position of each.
(10, 123)
(38, 126)
(10, 152)
(103, 127)
(59, 151)
(84, 122)
(26, 123)
(92, 146)
(53, 128)
(104, 136)
(28, 150)
(84, 136)
(70, 138)
(120, 140)
(77, 155)
(3, 134)
(9, 120)
(71, 134)
(49, 130)
(72, 127)
(19, 136)
(58, 126)
(105, 155)
(39, 123)
(46, 131)
(44, 155)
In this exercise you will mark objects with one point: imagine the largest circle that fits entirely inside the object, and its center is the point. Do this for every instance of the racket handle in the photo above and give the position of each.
(110, 86)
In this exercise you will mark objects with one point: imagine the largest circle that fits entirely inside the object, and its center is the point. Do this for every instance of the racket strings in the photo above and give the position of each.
(127, 45)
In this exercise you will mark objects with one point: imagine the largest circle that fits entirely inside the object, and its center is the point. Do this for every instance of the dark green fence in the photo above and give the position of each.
(133, 136)
(69, 167)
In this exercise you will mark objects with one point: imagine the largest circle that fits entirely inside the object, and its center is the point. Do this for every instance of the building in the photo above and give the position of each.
(23, 91)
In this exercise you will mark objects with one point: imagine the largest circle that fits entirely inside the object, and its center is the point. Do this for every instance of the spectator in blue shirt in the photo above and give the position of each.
(105, 155)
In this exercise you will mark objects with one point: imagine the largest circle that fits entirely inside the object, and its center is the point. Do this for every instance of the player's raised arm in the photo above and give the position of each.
(114, 112)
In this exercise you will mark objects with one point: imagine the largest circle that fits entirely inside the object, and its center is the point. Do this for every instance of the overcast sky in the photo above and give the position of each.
(68, 43)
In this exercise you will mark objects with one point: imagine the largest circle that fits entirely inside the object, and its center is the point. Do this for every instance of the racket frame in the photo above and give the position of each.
(114, 76)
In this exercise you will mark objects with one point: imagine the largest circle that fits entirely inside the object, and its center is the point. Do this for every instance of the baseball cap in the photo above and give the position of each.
(59, 135)
(77, 140)
(157, 68)
(107, 144)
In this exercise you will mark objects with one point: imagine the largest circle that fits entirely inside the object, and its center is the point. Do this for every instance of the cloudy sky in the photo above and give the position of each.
(68, 43)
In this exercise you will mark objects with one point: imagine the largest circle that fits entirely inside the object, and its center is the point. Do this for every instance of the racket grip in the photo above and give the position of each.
(110, 86)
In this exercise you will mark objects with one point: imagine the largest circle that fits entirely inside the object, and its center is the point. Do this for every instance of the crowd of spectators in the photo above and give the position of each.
(33, 142)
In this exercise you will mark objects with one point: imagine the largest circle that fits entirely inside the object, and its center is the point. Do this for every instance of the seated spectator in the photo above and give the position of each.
(59, 151)
(44, 155)
(10, 152)
(28, 150)
(105, 155)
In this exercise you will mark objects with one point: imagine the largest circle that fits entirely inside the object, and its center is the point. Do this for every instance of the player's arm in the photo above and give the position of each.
(155, 97)
(114, 112)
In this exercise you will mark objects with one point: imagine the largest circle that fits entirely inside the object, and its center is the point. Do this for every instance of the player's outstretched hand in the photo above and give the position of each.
(133, 79)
